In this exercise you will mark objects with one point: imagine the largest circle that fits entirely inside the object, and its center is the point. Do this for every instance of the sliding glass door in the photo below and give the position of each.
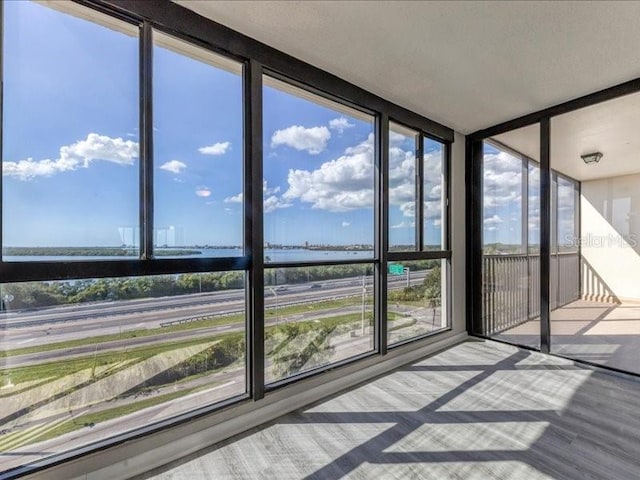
(510, 240)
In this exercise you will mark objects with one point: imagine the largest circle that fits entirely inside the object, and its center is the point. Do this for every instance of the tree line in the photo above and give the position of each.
(18, 296)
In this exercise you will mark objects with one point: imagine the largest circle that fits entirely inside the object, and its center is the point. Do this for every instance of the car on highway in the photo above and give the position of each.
(281, 288)
(316, 285)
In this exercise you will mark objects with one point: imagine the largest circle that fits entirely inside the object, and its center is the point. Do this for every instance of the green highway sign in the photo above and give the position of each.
(395, 268)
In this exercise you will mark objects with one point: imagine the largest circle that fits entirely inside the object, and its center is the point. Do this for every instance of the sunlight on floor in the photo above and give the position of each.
(464, 437)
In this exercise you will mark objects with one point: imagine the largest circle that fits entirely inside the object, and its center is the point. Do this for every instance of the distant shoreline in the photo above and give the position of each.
(91, 252)
(177, 250)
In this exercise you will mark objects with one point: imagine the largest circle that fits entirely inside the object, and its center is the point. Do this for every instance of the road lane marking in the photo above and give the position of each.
(222, 385)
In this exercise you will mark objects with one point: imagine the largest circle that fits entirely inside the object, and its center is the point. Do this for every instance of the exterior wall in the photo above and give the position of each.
(610, 236)
(458, 269)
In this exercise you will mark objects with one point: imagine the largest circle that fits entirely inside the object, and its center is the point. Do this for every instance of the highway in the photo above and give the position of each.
(64, 323)
(219, 386)
(57, 324)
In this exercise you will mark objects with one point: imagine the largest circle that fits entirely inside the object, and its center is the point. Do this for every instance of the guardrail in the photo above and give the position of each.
(511, 287)
(226, 313)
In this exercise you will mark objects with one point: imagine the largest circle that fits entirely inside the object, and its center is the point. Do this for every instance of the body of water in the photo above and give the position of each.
(271, 255)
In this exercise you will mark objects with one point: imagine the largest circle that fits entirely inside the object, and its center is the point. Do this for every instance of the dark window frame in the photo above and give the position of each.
(374, 261)
(419, 252)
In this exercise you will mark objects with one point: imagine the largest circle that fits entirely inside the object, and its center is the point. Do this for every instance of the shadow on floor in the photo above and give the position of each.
(479, 410)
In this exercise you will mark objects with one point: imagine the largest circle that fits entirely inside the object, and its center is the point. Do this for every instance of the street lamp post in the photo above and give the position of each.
(364, 295)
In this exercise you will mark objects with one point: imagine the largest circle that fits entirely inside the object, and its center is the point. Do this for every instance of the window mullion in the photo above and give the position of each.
(382, 192)
(1, 132)
(446, 182)
(253, 232)
(545, 234)
(146, 142)
(419, 214)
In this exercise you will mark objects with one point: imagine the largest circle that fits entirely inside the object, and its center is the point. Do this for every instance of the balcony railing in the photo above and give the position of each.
(511, 287)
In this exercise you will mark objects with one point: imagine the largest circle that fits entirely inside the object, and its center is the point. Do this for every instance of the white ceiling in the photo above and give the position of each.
(612, 127)
(468, 65)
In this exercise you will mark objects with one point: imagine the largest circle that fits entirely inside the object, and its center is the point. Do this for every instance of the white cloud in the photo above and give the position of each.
(235, 199)
(404, 225)
(219, 148)
(174, 166)
(77, 155)
(313, 140)
(340, 124)
(402, 191)
(203, 192)
(269, 191)
(502, 191)
(271, 201)
(339, 185)
(101, 147)
(494, 220)
(346, 224)
(29, 169)
(396, 138)
(502, 177)
(408, 209)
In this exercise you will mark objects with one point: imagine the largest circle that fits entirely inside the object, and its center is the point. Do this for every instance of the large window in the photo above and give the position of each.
(511, 260)
(197, 151)
(403, 143)
(70, 135)
(502, 217)
(567, 223)
(433, 195)
(88, 359)
(511, 242)
(319, 171)
(316, 316)
(418, 257)
(415, 302)
(92, 350)
(143, 282)
(318, 177)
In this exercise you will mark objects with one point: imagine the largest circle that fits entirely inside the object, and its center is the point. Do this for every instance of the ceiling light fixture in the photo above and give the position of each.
(589, 158)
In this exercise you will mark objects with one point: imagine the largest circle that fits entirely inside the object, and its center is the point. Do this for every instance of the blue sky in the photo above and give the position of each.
(318, 168)
(70, 153)
(502, 215)
(65, 79)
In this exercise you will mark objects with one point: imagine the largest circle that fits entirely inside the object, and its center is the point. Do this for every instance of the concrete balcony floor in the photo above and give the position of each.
(603, 333)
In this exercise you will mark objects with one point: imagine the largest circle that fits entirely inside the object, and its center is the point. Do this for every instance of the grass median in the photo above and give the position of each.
(208, 322)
